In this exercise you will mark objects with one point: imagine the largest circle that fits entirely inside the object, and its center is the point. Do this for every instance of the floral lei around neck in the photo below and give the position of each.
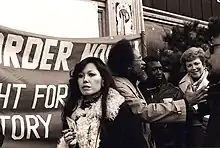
(88, 119)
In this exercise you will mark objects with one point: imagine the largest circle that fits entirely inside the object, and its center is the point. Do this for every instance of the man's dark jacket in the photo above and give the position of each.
(213, 130)
(165, 135)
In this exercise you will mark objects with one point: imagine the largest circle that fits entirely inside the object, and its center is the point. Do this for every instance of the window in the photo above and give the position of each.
(102, 17)
(102, 21)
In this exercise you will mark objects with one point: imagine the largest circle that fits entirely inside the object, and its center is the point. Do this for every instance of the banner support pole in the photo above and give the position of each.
(143, 37)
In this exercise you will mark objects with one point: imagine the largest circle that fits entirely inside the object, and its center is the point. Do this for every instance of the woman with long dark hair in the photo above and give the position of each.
(92, 105)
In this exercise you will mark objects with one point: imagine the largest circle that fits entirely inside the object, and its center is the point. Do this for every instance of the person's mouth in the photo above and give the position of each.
(159, 76)
(195, 72)
(86, 87)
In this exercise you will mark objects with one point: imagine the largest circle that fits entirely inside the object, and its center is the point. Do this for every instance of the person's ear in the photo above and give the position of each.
(102, 83)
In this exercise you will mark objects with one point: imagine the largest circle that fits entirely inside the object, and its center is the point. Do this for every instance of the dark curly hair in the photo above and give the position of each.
(120, 58)
(192, 54)
(148, 59)
(74, 93)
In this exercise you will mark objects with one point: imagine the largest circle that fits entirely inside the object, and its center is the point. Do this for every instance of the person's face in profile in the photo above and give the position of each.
(89, 80)
(138, 66)
(195, 68)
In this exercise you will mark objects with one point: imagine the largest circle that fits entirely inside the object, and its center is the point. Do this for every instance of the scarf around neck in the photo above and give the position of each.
(88, 119)
(187, 82)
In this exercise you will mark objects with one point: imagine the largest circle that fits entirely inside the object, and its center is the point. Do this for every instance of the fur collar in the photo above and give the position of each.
(114, 100)
(88, 120)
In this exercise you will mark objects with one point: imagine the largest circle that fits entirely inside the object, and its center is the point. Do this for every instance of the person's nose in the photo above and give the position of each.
(143, 64)
(85, 79)
(193, 67)
(159, 71)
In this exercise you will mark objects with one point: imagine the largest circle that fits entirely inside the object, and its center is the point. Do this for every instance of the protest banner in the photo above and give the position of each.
(34, 74)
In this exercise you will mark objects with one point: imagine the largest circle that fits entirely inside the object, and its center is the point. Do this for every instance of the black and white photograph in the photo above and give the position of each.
(110, 74)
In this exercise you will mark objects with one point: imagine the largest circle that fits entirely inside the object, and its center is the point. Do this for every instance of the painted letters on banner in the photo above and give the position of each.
(34, 73)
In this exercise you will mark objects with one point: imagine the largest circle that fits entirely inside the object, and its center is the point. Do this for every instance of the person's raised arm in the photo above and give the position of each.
(164, 112)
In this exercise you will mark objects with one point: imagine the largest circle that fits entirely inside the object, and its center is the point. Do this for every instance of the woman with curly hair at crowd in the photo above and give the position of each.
(194, 61)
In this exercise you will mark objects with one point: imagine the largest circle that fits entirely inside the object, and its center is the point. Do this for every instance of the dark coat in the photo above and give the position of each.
(213, 131)
(165, 135)
(126, 131)
(136, 114)
(165, 90)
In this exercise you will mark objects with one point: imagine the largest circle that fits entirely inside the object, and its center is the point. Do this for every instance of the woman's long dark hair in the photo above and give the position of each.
(120, 58)
(74, 94)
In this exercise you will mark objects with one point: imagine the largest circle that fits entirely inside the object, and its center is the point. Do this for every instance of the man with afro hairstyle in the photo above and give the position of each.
(139, 114)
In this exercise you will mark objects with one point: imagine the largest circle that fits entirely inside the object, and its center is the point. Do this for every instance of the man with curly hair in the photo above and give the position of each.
(139, 113)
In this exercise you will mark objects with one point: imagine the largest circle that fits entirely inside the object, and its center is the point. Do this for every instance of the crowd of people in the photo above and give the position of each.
(110, 106)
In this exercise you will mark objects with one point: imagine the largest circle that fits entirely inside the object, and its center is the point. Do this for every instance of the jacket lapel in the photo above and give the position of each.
(126, 82)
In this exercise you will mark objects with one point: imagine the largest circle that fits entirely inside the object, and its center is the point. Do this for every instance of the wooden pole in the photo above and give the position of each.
(143, 37)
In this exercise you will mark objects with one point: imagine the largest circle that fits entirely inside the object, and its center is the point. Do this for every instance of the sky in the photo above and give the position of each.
(59, 18)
